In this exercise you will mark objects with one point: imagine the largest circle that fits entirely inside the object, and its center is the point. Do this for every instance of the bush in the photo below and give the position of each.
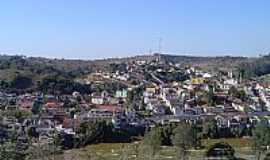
(221, 150)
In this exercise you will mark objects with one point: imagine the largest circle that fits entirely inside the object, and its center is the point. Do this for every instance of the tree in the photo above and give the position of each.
(210, 129)
(241, 94)
(18, 114)
(152, 142)
(221, 150)
(90, 131)
(45, 151)
(36, 108)
(15, 148)
(21, 82)
(261, 139)
(267, 156)
(8, 151)
(210, 96)
(184, 139)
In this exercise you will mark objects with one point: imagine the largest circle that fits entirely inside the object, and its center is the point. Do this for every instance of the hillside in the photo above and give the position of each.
(21, 72)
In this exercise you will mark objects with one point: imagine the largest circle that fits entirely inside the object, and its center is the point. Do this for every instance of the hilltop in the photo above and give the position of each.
(30, 71)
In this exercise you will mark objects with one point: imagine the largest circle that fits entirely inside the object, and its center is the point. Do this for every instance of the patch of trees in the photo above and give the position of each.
(221, 150)
(121, 67)
(61, 85)
(21, 82)
(90, 132)
(96, 131)
(210, 129)
(172, 76)
(261, 139)
(257, 67)
(185, 137)
(241, 94)
(110, 87)
(182, 136)
(28, 71)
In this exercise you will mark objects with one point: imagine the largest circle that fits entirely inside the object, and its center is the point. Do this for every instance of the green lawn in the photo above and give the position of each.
(112, 151)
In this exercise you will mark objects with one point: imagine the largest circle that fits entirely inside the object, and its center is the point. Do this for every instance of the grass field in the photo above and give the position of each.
(113, 151)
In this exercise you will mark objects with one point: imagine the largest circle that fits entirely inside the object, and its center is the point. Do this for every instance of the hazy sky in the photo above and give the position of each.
(116, 28)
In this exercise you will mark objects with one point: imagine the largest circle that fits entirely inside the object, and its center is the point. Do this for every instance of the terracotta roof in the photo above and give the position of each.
(52, 105)
(111, 108)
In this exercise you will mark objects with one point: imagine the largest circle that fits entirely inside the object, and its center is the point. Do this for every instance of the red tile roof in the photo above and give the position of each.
(111, 108)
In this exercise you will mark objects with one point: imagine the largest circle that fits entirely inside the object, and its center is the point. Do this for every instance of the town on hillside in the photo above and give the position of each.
(126, 101)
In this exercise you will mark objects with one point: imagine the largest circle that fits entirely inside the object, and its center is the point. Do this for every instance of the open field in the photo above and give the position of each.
(115, 151)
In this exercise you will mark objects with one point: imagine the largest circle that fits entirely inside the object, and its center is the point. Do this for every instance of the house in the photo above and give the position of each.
(52, 105)
(238, 107)
(113, 109)
(99, 98)
(222, 121)
(228, 83)
(197, 81)
(26, 102)
(176, 111)
(121, 93)
(99, 113)
(151, 88)
(159, 110)
(206, 75)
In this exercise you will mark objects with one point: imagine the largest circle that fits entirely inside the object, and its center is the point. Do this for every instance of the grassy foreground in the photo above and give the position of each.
(114, 151)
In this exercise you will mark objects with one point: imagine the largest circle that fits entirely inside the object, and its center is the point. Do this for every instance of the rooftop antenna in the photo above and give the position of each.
(159, 49)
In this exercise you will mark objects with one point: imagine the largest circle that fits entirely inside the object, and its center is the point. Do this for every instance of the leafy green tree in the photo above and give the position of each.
(14, 149)
(210, 96)
(152, 142)
(221, 151)
(261, 139)
(8, 152)
(183, 139)
(18, 114)
(236, 131)
(210, 129)
(21, 82)
(267, 156)
(91, 131)
(36, 108)
(241, 94)
(46, 151)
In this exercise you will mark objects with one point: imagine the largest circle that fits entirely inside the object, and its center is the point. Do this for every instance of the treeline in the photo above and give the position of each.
(256, 67)
(61, 85)
(90, 132)
(20, 74)
(23, 74)
(199, 131)
(185, 137)
(43, 66)
(51, 84)
(24, 145)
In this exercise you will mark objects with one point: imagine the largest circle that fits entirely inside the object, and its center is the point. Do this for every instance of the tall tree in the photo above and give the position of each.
(184, 139)
(261, 139)
(152, 142)
(221, 150)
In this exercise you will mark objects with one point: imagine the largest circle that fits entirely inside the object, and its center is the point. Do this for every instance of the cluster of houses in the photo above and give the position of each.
(46, 115)
(225, 98)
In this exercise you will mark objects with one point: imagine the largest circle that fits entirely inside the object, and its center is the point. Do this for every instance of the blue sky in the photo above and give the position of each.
(116, 28)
